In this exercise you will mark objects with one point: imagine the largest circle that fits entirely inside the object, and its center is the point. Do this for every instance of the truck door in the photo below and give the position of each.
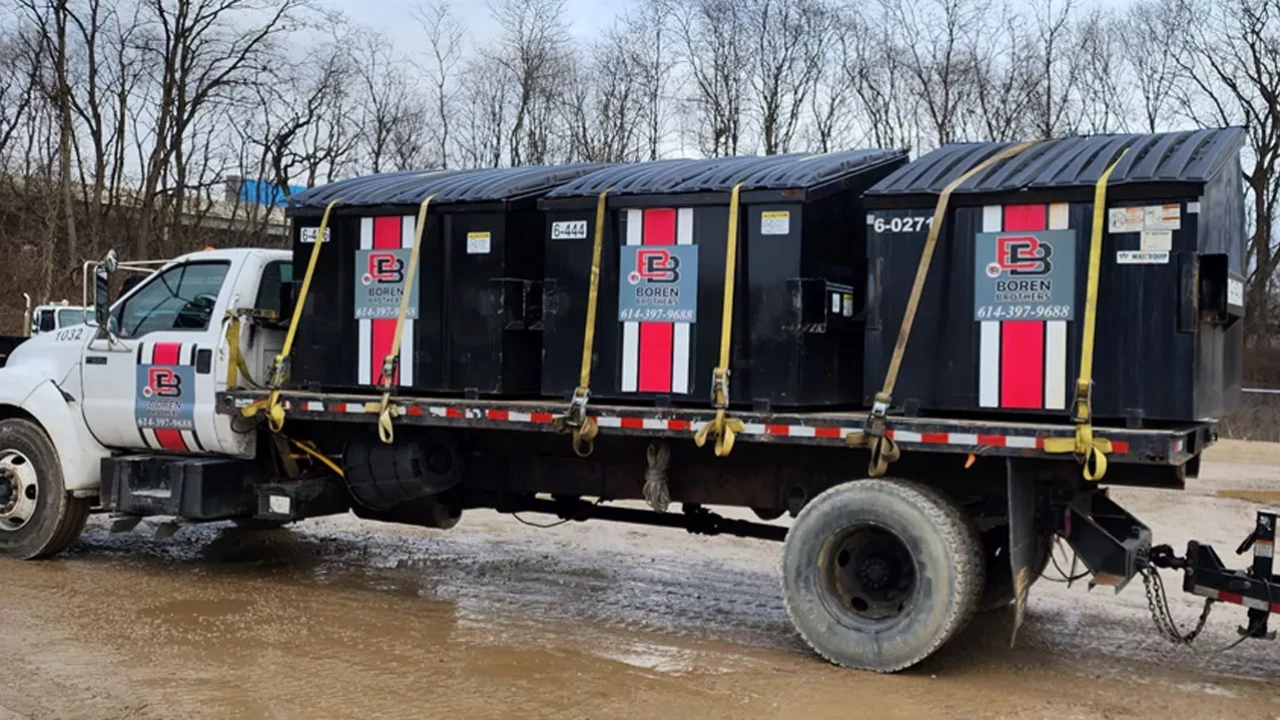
(153, 388)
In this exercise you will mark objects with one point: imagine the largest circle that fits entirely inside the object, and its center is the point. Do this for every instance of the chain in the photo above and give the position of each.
(1158, 602)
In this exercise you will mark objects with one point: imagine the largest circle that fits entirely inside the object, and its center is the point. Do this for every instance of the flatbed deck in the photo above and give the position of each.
(1166, 446)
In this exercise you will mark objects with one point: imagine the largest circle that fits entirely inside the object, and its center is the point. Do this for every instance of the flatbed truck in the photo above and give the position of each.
(172, 402)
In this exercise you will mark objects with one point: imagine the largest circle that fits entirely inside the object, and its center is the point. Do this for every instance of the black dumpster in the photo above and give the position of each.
(796, 332)
(999, 324)
(474, 325)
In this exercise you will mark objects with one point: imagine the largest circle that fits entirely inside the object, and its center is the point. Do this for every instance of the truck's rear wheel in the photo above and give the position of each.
(38, 518)
(878, 574)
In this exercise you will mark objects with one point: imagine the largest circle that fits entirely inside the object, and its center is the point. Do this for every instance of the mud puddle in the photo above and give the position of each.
(340, 618)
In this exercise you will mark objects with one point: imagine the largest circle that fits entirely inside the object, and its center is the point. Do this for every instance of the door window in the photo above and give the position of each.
(180, 298)
(274, 276)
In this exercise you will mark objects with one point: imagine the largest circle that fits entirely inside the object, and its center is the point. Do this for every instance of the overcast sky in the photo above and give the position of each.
(393, 17)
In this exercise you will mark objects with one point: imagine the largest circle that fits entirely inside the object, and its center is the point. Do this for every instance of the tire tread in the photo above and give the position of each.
(958, 534)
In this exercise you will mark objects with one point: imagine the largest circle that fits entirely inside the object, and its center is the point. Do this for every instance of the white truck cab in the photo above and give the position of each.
(141, 378)
(52, 317)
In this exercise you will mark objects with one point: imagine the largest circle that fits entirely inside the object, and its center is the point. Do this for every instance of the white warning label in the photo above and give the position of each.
(478, 243)
(775, 222)
(1163, 217)
(1125, 219)
(1235, 292)
(1157, 240)
(1142, 257)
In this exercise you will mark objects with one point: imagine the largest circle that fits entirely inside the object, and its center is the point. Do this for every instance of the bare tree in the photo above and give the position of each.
(199, 49)
(648, 28)
(49, 46)
(789, 38)
(444, 36)
(604, 103)
(486, 107)
(1006, 80)
(881, 82)
(936, 38)
(1232, 76)
(532, 54)
(718, 57)
(1104, 96)
(1153, 35)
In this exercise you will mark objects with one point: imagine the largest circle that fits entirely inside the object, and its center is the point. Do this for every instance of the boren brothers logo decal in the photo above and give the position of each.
(661, 286)
(1025, 275)
(384, 267)
(380, 277)
(655, 265)
(162, 382)
(1021, 255)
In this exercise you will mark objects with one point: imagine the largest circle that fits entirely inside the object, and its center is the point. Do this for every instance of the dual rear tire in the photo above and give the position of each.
(878, 574)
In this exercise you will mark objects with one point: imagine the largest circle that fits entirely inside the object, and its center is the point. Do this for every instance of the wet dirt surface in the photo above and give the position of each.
(342, 618)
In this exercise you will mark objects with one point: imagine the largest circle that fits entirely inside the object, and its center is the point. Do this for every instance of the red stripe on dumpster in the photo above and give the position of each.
(1022, 342)
(656, 338)
(386, 236)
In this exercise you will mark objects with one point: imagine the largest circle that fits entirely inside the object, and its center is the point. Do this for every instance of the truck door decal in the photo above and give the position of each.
(164, 407)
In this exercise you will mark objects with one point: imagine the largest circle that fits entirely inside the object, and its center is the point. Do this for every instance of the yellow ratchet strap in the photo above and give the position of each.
(236, 365)
(725, 428)
(576, 421)
(391, 363)
(280, 367)
(1091, 451)
(883, 448)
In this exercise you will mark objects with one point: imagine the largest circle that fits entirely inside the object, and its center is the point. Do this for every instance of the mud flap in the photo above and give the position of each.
(1022, 536)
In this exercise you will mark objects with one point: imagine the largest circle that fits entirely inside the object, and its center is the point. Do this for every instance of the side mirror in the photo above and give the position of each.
(102, 291)
(101, 295)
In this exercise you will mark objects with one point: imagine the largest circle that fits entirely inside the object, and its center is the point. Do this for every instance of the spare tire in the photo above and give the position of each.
(418, 464)
(878, 574)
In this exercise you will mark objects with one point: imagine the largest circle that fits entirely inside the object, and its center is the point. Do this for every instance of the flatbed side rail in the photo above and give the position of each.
(1004, 439)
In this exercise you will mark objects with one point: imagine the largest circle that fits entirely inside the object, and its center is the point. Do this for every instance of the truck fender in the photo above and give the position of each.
(79, 453)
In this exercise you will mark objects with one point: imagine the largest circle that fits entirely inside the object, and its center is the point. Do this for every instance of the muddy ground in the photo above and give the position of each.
(341, 618)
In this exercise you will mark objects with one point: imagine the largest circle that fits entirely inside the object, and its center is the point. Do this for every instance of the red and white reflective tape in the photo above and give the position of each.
(1236, 599)
(664, 424)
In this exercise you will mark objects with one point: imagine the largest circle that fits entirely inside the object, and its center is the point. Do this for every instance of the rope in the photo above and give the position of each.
(391, 363)
(575, 421)
(1091, 451)
(883, 448)
(280, 366)
(725, 429)
(656, 491)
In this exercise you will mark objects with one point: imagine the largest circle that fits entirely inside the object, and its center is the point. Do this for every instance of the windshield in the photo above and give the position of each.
(70, 316)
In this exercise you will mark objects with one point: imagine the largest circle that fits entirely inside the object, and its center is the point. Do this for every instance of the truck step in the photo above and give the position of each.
(195, 488)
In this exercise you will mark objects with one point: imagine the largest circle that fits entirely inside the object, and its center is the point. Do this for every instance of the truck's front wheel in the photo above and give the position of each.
(878, 574)
(38, 517)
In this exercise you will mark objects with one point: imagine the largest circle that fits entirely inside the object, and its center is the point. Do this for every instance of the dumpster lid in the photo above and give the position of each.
(1187, 157)
(773, 172)
(448, 186)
